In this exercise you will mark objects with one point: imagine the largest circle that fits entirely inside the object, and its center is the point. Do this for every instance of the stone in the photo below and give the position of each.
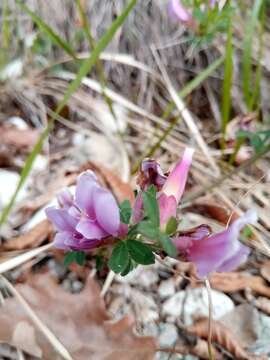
(166, 289)
(193, 303)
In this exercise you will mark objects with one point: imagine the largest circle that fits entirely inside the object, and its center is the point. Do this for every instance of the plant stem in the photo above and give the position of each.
(210, 308)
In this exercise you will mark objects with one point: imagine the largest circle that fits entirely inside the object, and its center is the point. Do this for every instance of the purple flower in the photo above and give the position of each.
(218, 252)
(151, 174)
(83, 221)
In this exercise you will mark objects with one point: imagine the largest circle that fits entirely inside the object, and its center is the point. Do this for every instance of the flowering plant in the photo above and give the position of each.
(205, 17)
(128, 235)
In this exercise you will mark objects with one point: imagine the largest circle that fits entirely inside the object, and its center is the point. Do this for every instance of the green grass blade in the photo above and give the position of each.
(100, 69)
(247, 52)
(48, 31)
(192, 85)
(227, 84)
(255, 98)
(83, 71)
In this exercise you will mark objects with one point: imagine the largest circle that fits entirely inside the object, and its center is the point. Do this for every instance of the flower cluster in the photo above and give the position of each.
(87, 220)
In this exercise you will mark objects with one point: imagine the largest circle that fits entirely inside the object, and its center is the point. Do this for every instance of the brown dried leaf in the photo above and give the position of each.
(222, 336)
(213, 211)
(79, 321)
(235, 281)
(263, 304)
(30, 239)
(18, 138)
(265, 270)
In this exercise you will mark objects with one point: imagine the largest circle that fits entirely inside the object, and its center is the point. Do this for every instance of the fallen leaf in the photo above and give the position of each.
(235, 281)
(31, 239)
(79, 321)
(263, 304)
(222, 336)
(245, 320)
(19, 138)
(265, 270)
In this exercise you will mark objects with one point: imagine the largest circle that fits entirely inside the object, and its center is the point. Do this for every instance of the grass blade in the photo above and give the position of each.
(193, 84)
(227, 84)
(247, 52)
(73, 86)
(48, 30)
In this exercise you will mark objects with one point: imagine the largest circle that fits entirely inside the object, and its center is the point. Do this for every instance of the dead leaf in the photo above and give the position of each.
(31, 239)
(213, 211)
(12, 136)
(245, 320)
(79, 321)
(263, 304)
(235, 281)
(222, 336)
(265, 270)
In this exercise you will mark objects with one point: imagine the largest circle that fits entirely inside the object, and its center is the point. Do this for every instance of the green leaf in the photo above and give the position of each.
(80, 257)
(147, 229)
(167, 245)
(70, 257)
(99, 262)
(73, 86)
(150, 204)
(48, 31)
(125, 211)
(140, 252)
(119, 258)
(128, 268)
(171, 226)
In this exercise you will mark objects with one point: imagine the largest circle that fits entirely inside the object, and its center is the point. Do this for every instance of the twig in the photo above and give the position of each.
(56, 344)
(210, 309)
(20, 259)
(107, 283)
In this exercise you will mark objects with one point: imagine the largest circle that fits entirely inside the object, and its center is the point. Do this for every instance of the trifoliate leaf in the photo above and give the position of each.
(140, 252)
(147, 229)
(70, 257)
(150, 204)
(119, 258)
(167, 245)
(171, 226)
(125, 211)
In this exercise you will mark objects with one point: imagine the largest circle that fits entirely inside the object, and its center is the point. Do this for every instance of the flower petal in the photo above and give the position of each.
(86, 184)
(167, 208)
(107, 211)
(61, 239)
(137, 211)
(222, 250)
(239, 258)
(65, 198)
(61, 219)
(90, 229)
(176, 182)
(151, 174)
(178, 11)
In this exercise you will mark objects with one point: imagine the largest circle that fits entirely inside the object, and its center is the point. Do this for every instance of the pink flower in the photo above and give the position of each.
(174, 187)
(83, 221)
(178, 11)
(170, 188)
(218, 252)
